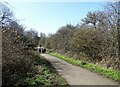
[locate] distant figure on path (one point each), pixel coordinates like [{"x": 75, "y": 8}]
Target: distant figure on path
[{"x": 41, "y": 49}]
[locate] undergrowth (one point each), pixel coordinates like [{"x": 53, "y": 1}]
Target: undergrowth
[{"x": 47, "y": 77}]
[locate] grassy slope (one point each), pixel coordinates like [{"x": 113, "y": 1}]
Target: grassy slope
[
  {"x": 47, "y": 77},
  {"x": 115, "y": 75}
]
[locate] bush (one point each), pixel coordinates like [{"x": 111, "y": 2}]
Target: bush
[
  {"x": 47, "y": 77},
  {"x": 17, "y": 61}
]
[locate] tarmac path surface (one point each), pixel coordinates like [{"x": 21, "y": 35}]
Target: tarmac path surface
[{"x": 76, "y": 75}]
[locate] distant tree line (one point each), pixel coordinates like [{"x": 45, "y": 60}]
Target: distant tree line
[{"x": 93, "y": 40}]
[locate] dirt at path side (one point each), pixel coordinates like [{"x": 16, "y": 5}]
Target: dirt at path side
[{"x": 76, "y": 75}]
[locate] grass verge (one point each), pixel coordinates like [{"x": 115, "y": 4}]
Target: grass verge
[
  {"x": 47, "y": 76},
  {"x": 110, "y": 73}
]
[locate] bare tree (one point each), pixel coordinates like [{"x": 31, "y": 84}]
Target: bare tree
[
  {"x": 96, "y": 19},
  {"x": 5, "y": 14},
  {"x": 42, "y": 40},
  {"x": 91, "y": 18},
  {"x": 32, "y": 36},
  {"x": 113, "y": 17}
]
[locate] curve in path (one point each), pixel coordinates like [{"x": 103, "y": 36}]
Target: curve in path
[{"x": 76, "y": 75}]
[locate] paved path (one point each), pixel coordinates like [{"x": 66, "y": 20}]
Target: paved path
[{"x": 76, "y": 75}]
